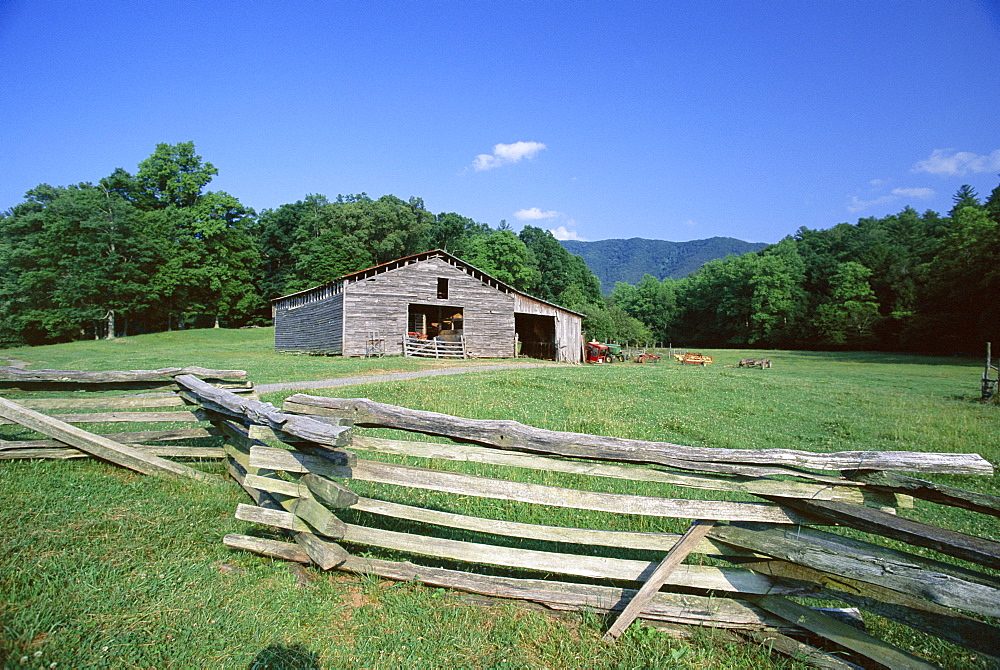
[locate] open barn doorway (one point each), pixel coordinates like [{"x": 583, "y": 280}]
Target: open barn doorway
[
  {"x": 430, "y": 321},
  {"x": 537, "y": 335}
]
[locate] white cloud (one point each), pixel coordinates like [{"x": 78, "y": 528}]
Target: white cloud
[
  {"x": 949, "y": 162},
  {"x": 923, "y": 193},
  {"x": 857, "y": 204},
  {"x": 506, "y": 153},
  {"x": 561, "y": 233},
  {"x": 534, "y": 214}
]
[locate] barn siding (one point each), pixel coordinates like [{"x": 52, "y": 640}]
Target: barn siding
[
  {"x": 340, "y": 317},
  {"x": 381, "y": 302},
  {"x": 315, "y": 326},
  {"x": 569, "y": 327}
]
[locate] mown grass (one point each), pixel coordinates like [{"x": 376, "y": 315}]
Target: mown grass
[
  {"x": 250, "y": 349},
  {"x": 100, "y": 567}
]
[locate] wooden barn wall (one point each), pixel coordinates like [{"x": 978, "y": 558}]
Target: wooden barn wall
[
  {"x": 569, "y": 327},
  {"x": 315, "y": 326},
  {"x": 381, "y": 303}
]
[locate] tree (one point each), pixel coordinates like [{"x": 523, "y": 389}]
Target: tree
[
  {"x": 560, "y": 272},
  {"x": 651, "y": 301},
  {"x": 958, "y": 311},
  {"x": 966, "y": 196},
  {"x": 173, "y": 175},
  {"x": 607, "y": 323},
  {"x": 278, "y": 231},
  {"x": 503, "y": 256},
  {"x": 72, "y": 255},
  {"x": 454, "y": 233},
  {"x": 127, "y": 254},
  {"x": 375, "y": 231},
  {"x": 850, "y": 315},
  {"x": 993, "y": 205}
]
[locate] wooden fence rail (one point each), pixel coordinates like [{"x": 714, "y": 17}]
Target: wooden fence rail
[
  {"x": 774, "y": 530},
  {"x": 145, "y": 451},
  {"x": 754, "y": 556}
]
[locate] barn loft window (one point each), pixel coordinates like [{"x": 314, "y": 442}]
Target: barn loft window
[{"x": 442, "y": 288}]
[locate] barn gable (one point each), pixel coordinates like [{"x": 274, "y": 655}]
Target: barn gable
[{"x": 434, "y": 294}]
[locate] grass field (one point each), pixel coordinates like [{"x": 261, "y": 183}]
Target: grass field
[
  {"x": 250, "y": 349},
  {"x": 101, "y": 567}
]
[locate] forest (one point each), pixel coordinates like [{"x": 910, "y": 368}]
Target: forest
[{"x": 155, "y": 250}]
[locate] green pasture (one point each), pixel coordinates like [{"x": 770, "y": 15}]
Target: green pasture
[
  {"x": 102, "y": 567},
  {"x": 250, "y": 349}
]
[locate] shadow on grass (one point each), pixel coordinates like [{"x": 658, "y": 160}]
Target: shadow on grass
[
  {"x": 964, "y": 359},
  {"x": 280, "y": 657}
]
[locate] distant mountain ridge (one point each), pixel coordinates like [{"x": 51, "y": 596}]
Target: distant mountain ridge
[{"x": 628, "y": 260}]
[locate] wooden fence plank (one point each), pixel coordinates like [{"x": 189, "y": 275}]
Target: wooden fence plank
[
  {"x": 97, "y": 445},
  {"x": 254, "y": 411},
  {"x": 271, "y": 517},
  {"x": 917, "y": 613},
  {"x": 798, "y": 651},
  {"x": 517, "y": 436},
  {"x": 867, "y": 563},
  {"x": 126, "y": 417},
  {"x": 318, "y": 517},
  {"x": 275, "y": 485},
  {"x": 843, "y": 634},
  {"x": 67, "y": 453},
  {"x": 731, "y": 580},
  {"x": 584, "y": 536},
  {"x": 644, "y": 595},
  {"x": 713, "y": 611},
  {"x": 330, "y": 492},
  {"x": 265, "y": 547},
  {"x": 847, "y": 492},
  {"x": 83, "y": 377},
  {"x": 486, "y": 487},
  {"x": 933, "y": 492},
  {"x": 967, "y": 547},
  {"x": 326, "y": 555},
  {"x": 100, "y": 403}
]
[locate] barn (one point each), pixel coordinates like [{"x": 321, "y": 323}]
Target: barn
[{"x": 432, "y": 295}]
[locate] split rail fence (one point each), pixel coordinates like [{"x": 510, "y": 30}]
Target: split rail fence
[
  {"x": 116, "y": 399},
  {"x": 752, "y": 564}
]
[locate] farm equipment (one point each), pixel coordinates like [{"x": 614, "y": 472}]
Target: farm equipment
[
  {"x": 761, "y": 363},
  {"x": 691, "y": 358},
  {"x": 597, "y": 353},
  {"x": 615, "y": 351},
  {"x": 646, "y": 358}
]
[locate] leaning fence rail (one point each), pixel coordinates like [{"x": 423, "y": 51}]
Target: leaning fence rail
[{"x": 54, "y": 422}]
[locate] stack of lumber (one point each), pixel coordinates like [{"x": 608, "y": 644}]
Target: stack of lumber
[
  {"x": 54, "y": 422},
  {"x": 736, "y": 567}
]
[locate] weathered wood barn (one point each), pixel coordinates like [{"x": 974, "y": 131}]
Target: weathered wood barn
[{"x": 432, "y": 294}]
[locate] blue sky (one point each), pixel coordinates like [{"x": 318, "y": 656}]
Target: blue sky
[{"x": 665, "y": 120}]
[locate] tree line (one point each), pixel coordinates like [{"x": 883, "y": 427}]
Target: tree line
[
  {"x": 155, "y": 250},
  {"x": 904, "y": 282}
]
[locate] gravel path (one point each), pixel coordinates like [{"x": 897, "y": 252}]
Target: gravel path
[{"x": 393, "y": 376}]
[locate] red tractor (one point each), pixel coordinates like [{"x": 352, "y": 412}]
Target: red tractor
[{"x": 597, "y": 353}]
